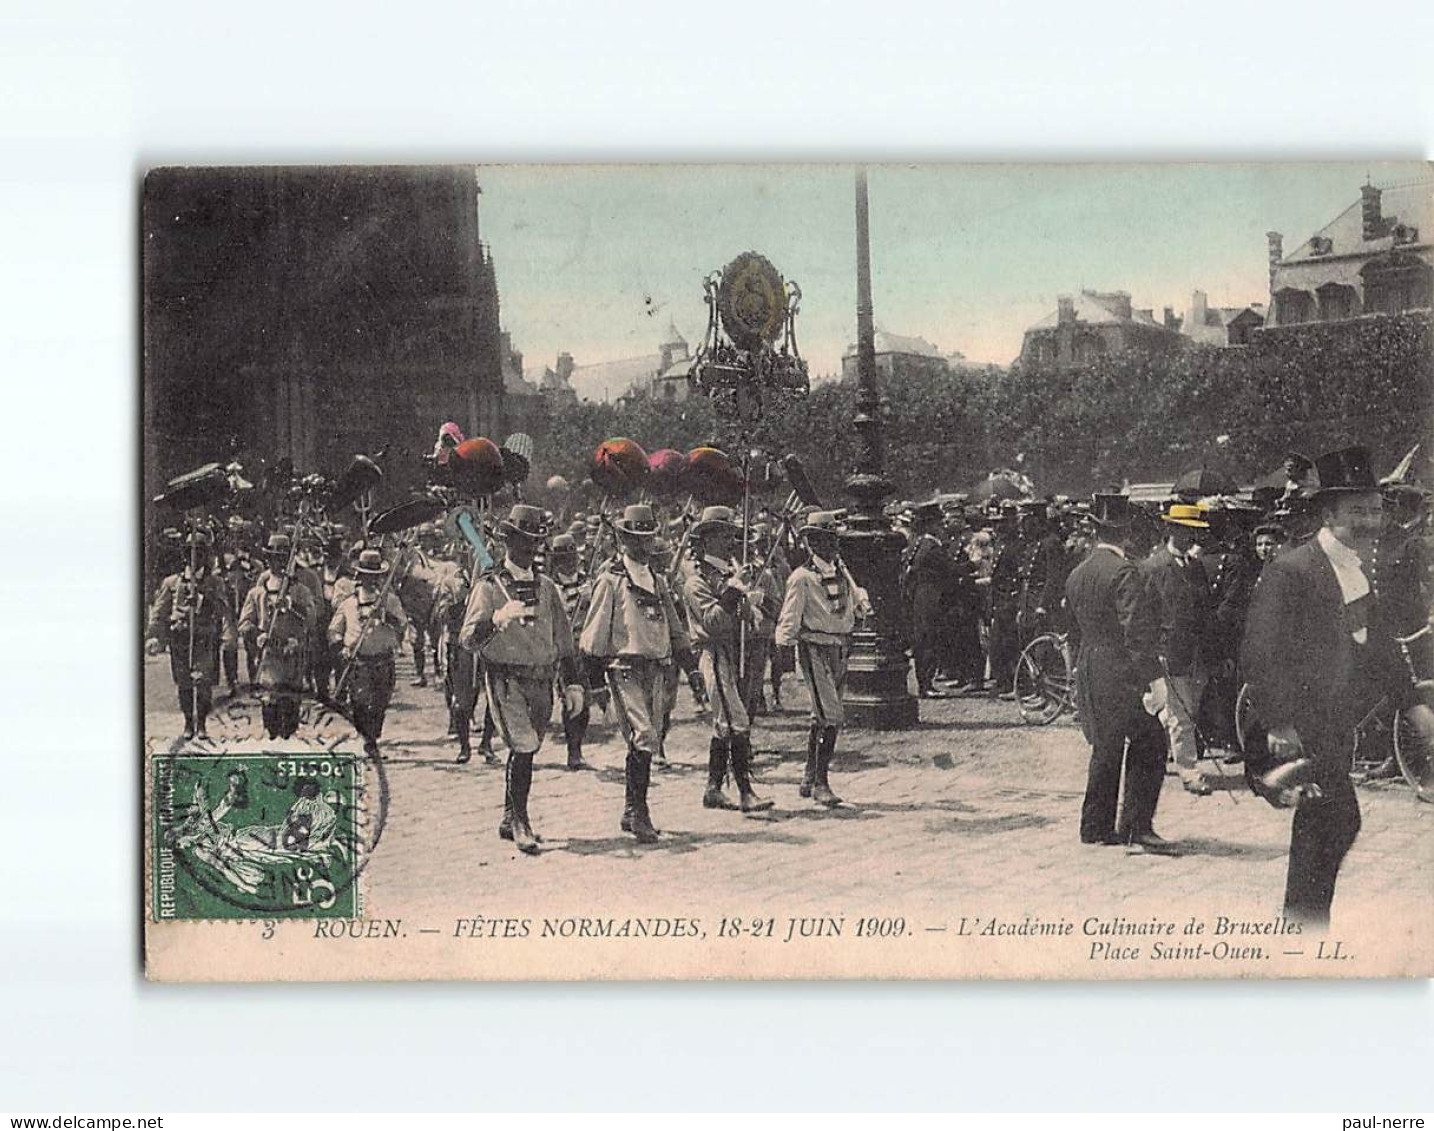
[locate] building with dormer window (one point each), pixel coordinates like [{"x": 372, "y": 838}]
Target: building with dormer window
[{"x": 1376, "y": 257}]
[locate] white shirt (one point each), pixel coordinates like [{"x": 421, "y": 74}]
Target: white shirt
[{"x": 1348, "y": 571}]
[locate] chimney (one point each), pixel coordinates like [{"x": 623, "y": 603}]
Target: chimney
[
  {"x": 1276, "y": 243},
  {"x": 1065, "y": 310},
  {"x": 1170, "y": 321},
  {"x": 1369, "y": 207},
  {"x": 1199, "y": 307},
  {"x": 1122, "y": 304},
  {"x": 565, "y": 366}
]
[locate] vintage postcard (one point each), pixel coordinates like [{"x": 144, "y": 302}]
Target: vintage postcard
[{"x": 811, "y": 571}]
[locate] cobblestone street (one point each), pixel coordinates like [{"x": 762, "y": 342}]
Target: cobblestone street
[{"x": 970, "y": 810}]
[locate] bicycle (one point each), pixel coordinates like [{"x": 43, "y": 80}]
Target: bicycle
[
  {"x": 1045, "y": 679},
  {"x": 1381, "y": 726}
]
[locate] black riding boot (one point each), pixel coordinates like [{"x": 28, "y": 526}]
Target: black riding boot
[
  {"x": 520, "y": 782},
  {"x": 638, "y": 820},
  {"x": 186, "y": 704},
  {"x": 270, "y": 714},
  {"x": 458, "y": 727},
  {"x": 201, "y": 714},
  {"x": 742, "y": 772},
  {"x": 809, "y": 775},
  {"x": 714, "y": 798},
  {"x": 821, "y": 789}
]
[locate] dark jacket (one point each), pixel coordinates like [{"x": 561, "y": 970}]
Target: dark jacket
[
  {"x": 1182, "y": 593},
  {"x": 1302, "y": 663},
  {"x": 1113, "y": 613},
  {"x": 930, "y": 579}
]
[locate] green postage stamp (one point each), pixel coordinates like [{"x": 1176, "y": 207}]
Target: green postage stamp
[{"x": 258, "y": 835}]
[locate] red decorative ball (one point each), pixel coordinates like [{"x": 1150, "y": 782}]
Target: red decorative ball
[
  {"x": 712, "y": 478},
  {"x": 619, "y": 465},
  {"x": 479, "y": 468},
  {"x": 667, "y": 471}
]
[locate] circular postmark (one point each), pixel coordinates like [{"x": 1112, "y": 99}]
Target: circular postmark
[{"x": 246, "y": 826}]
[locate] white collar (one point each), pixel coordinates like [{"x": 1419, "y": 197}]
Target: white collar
[
  {"x": 517, "y": 572},
  {"x": 1116, "y": 550},
  {"x": 1348, "y": 570},
  {"x": 823, "y": 567}
]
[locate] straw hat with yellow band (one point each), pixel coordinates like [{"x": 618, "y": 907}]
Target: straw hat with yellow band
[{"x": 1187, "y": 514}]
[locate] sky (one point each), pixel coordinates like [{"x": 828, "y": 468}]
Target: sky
[{"x": 595, "y": 260}]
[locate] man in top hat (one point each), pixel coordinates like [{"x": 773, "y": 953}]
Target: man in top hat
[
  {"x": 929, "y": 582},
  {"x": 631, "y": 637},
  {"x": 1317, "y": 654},
  {"x": 367, "y": 626},
  {"x": 191, "y": 617},
  {"x": 1113, "y": 613},
  {"x": 720, "y": 599},
  {"x": 516, "y": 623},
  {"x": 566, "y": 570},
  {"x": 818, "y": 615},
  {"x": 277, "y": 619},
  {"x": 1181, "y": 590}
]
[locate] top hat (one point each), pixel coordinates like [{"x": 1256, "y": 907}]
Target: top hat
[
  {"x": 371, "y": 562},
  {"x": 636, "y": 520},
  {"x": 1110, "y": 509},
  {"x": 820, "y": 522},
  {"x": 926, "y": 512},
  {"x": 526, "y": 521},
  {"x": 715, "y": 518},
  {"x": 1345, "y": 470},
  {"x": 1187, "y": 514},
  {"x": 277, "y": 546}
]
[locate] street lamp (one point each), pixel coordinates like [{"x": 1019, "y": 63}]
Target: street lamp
[{"x": 876, "y": 694}]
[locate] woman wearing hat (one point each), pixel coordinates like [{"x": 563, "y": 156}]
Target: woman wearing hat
[
  {"x": 631, "y": 637},
  {"x": 818, "y": 616},
  {"x": 719, "y": 601},
  {"x": 516, "y": 623},
  {"x": 1181, "y": 587},
  {"x": 1317, "y": 654},
  {"x": 368, "y": 626}
]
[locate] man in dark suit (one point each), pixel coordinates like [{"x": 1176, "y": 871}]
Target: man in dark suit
[
  {"x": 1117, "y": 666},
  {"x": 930, "y": 578},
  {"x": 1317, "y": 656}
]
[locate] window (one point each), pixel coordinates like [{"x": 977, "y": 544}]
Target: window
[
  {"x": 1337, "y": 302},
  {"x": 1397, "y": 282},
  {"x": 1292, "y": 306}
]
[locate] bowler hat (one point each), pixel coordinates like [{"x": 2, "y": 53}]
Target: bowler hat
[
  {"x": 820, "y": 522},
  {"x": 277, "y": 546},
  {"x": 1187, "y": 514},
  {"x": 525, "y": 521},
  {"x": 370, "y": 561},
  {"x": 1345, "y": 470},
  {"x": 636, "y": 520},
  {"x": 714, "y": 518}
]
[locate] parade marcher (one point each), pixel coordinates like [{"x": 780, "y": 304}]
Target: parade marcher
[
  {"x": 333, "y": 586},
  {"x": 1315, "y": 652},
  {"x": 1004, "y": 645},
  {"x": 783, "y": 657},
  {"x": 930, "y": 578},
  {"x": 631, "y": 637},
  {"x": 462, "y": 676},
  {"x": 818, "y": 615},
  {"x": 369, "y": 631},
  {"x": 516, "y": 623},
  {"x": 278, "y": 617},
  {"x": 764, "y": 622},
  {"x": 191, "y": 617},
  {"x": 237, "y": 571},
  {"x": 1117, "y": 669},
  {"x": 567, "y": 574},
  {"x": 1182, "y": 594},
  {"x": 719, "y": 599},
  {"x": 416, "y": 592}
]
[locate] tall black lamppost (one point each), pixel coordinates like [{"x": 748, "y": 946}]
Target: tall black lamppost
[{"x": 876, "y": 694}]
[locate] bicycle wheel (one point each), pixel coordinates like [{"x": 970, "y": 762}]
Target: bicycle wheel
[
  {"x": 1415, "y": 758},
  {"x": 1245, "y": 722},
  {"x": 1043, "y": 684}
]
